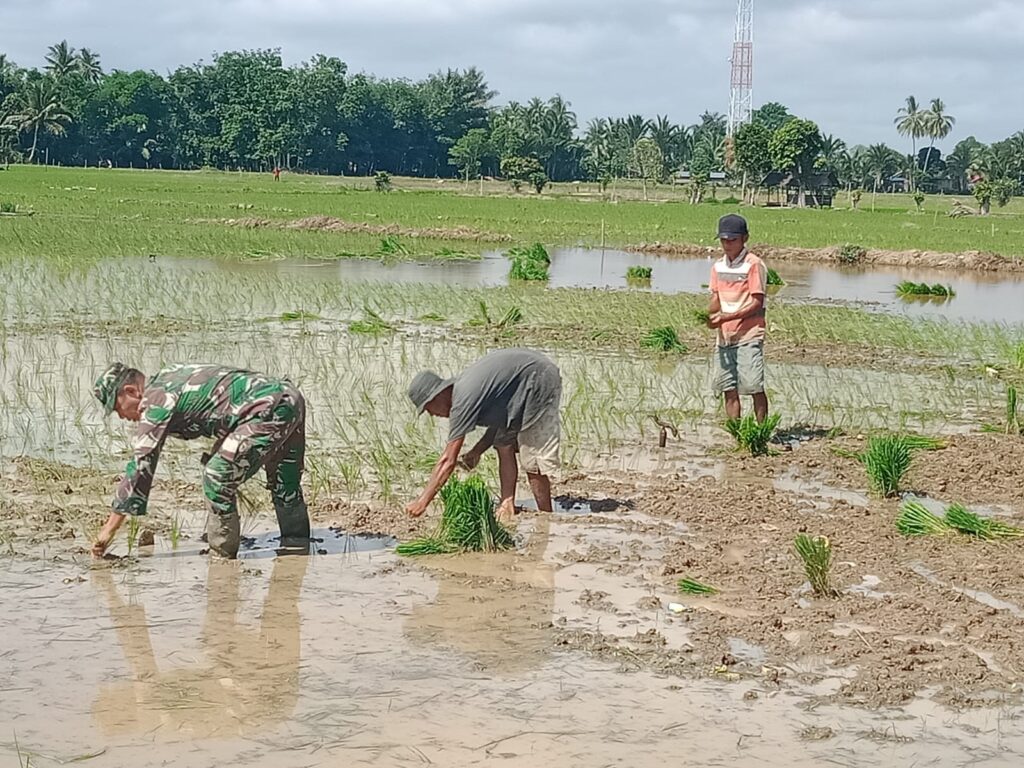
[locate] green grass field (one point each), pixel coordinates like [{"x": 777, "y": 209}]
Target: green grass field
[{"x": 93, "y": 213}]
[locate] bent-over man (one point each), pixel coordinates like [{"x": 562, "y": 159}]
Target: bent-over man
[
  {"x": 515, "y": 395},
  {"x": 257, "y": 421}
]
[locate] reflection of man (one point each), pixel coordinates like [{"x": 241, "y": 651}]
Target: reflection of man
[
  {"x": 504, "y": 627},
  {"x": 250, "y": 679}
]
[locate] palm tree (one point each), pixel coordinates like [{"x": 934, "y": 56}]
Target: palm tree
[
  {"x": 61, "y": 60},
  {"x": 910, "y": 121},
  {"x": 879, "y": 161},
  {"x": 89, "y": 65},
  {"x": 39, "y": 108},
  {"x": 832, "y": 151},
  {"x": 937, "y": 125}
]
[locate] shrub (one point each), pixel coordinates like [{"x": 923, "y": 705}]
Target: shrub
[
  {"x": 851, "y": 254},
  {"x": 382, "y": 181}
]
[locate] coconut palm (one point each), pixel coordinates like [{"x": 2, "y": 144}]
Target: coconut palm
[
  {"x": 880, "y": 161},
  {"x": 61, "y": 60},
  {"x": 910, "y": 121},
  {"x": 833, "y": 150},
  {"x": 89, "y": 65},
  {"x": 937, "y": 125},
  {"x": 37, "y": 109}
]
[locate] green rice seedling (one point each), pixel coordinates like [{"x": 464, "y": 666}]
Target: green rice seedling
[
  {"x": 1017, "y": 356},
  {"x": 701, "y": 317},
  {"x": 432, "y": 317},
  {"x": 886, "y": 461},
  {"x": 513, "y": 315},
  {"x": 1012, "y": 419},
  {"x": 392, "y": 246},
  {"x": 923, "y": 443},
  {"x": 536, "y": 252},
  {"x": 663, "y": 339},
  {"x": 454, "y": 254},
  {"x": 915, "y": 520},
  {"x": 467, "y": 524},
  {"x": 639, "y": 273},
  {"x": 752, "y": 436},
  {"x": 984, "y": 528},
  {"x": 529, "y": 264},
  {"x": 773, "y": 278},
  {"x": 298, "y": 315},
  {"x": 132, "y": 532},
  {"x": 372, "y": 323},
  {"x": 175, "y": 532},
  {"x": 910, "y": 288},
  {"x": 694, "y": 587},
  {"x": 816, "y": 554}
]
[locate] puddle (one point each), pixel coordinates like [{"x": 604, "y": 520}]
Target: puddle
[
  {"x": 982, "y": 597},
  {"x": 324, "y": 541},
  {"x": 979, "y": 296},
  {"x": 793, "y": 480}
]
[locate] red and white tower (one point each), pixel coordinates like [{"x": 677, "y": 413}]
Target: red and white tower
[{"x": 741, "y": 101}]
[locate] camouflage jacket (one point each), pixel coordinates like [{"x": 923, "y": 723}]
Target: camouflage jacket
[{"x": 188, "y": 401}]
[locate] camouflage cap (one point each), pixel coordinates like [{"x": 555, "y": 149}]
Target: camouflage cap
[{"x": 107, "y": 385}]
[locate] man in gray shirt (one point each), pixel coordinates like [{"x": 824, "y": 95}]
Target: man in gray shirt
[{"x": 514, "y": 394}]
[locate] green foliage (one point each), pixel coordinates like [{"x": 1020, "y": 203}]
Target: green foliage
[
  {"x": 910, "y": 288},
  {"x": 538, "y": 181},
  {"x": 372, "y": 324},
  {"x": 1012, "y": 418},
  {"x": 752, "y": 436},
  {"x": 816, "y": 554},
  {"x": 469, "y": 151},
  {"x": 382, "y": 181},
  {"x": 916, "y": 520},
  {"x": 886, "y": 461},
  {"x": 521, "y": 169},
  {"x": 647, "y": 162},
  {"x": 639, "y": 273},
  {"x": 918, "y": 198},
  {"x": 751, "y": 148},
  {"x": 513, "y": 316},
  {"x": 984, "y": 528},
  {"x": 850, "y": 254},
  {"x": 392, "y": 246},
  {"x": 7, "y": 207},
  {"x": 298, "y": 315},
  {"x": 663, "y": 339},
  {"x": 694, "y": 587},
  {"x": 467, "y": 524},
  {"x": 529, "y": 264},
  {"x": 795, "y": 147},
  {"x": 701, "y": 317},
  {"x": 773, "y": 278}
]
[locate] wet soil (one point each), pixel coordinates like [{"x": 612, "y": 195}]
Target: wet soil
[{"x": 982, "y": 261}]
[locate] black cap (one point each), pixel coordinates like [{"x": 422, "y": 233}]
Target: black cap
[{"x": 732, "y": 226}]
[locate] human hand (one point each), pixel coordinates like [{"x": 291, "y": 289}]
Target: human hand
[
  {"x": 714, "y": 320},
  {"x": 415, "y": 508},
  {"x": 470, "y": 460}
]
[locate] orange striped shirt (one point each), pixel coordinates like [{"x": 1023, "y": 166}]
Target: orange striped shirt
[{"x": 735, "y": 283}]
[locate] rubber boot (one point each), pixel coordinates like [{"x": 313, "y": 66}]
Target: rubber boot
[
  {"x": 293, "y": 520},
  {"x": 223, "y": 534}
]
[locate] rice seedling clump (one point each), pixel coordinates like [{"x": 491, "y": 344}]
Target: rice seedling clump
[
  {"x": 916, "y": 520},
  {"x": 886, "y": 461},
  {"x": 467, "y": 524},
  {"x": 984, "y": 528},
  {"x": 774, "y": 278},
  {"x": 663, "y": 339},
  {"x": 752, "y": 436},
  {"x": 694, "y": 587},
  {"x": 816, "y": 554},
  {"x": 639, "y": 273},
  {"x": 910, "y": 288},
  {"x": 530, "y": 264}
]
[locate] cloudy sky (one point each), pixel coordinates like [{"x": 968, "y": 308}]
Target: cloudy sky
[{"x": 847, "y": 64}]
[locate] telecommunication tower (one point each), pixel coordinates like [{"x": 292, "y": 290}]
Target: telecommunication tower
[{"x": 741, "y": 101}]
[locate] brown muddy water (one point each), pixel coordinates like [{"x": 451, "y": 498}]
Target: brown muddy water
[
  {"x": 358, "y": 658},
  {"x": 979, "y": 296}
]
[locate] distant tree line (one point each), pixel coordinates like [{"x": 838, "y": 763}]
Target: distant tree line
[{"x": 246, "y": 110}]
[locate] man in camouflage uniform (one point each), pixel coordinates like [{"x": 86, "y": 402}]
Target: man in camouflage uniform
[{"x": 258, "y": 421}]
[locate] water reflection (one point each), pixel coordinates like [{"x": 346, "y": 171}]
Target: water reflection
[
  {"x": 495, "y": 609},
  {"x": 249, "y": 678}
]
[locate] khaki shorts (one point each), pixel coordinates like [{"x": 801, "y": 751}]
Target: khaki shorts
[
  {"x": 739, "y": 367},
  {"x": 540, "y": 445}
]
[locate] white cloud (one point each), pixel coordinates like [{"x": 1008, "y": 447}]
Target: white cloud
[{"x": 848, "y": 65}]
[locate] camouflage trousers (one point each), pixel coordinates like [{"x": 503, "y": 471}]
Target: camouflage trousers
[{"x": 273, "y": 438}]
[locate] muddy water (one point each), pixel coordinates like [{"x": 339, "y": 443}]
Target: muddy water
[
  {"x": 979, "y": 297},
  {"x": 355, "y": 658}
]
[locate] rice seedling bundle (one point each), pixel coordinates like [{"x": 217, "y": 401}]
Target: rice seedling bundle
[
  {"x": 910, "y": 288},
  {"x": 467, "y": 524},
  {"x": 980, "y": 527},
  {"x": 694, "y": 587},
  {"x": 663, "y": 339},
  {"x": 372, "y": 323},
  {"x": 530, "y": 264},
  {"x": 701, "y": 316},
  {"x": 923, "y": 443},
  {"x": 773, "y": 278},
  {"x": 916, "y": 520},
  {"x": 886, "y": 461},
  {"x": 816, "y": 554},
  {"x": 639, "y": 273},
  {"x": 752, "y": 436}
]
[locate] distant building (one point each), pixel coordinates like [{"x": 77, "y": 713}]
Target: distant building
[{"x": 819, "y": 188}]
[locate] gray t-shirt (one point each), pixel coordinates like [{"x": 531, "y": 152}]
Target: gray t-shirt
[{"x": 507, "y": 390}]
